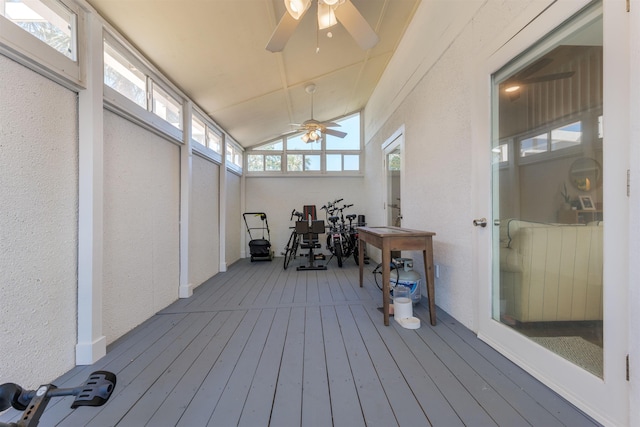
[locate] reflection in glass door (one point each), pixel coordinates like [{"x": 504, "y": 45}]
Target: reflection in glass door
[
  {"x": 548, "y": 197},
  {"x": 393, "y": 166}
]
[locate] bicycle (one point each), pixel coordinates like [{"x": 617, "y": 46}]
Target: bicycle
[
  {"x": 339, "y": 242},
  {"x": 291, "y": 249},
  {"x": 94, "y": 392}
]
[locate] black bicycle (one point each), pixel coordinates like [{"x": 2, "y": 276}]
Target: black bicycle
[
  {"x": 291, "y": 250},
  {"x": 339, "y": 242},
  {"x": 94, "y": 392}
]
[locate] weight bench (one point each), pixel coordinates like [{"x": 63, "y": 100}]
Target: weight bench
[{"x": 310, "y": 231}]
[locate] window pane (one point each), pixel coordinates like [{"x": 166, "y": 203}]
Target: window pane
[
  {"x": 273, "y": 163},
  {"x": 198, "y": 130},
  {"x": 350, "y": 125},
  {"x": 255, "y": 163},
  {"x": 334, "y": 162},
  {"x": 123, "y": 77},
  {"x": 214, "y": 141},
  {"x": 501, "y": 153},
  {"x": 351, "y": 162},
  {"x": 294, "y": 142},
  {"x": 54, "y": 24},
  {"x": 535, "y": 145},
  {"x": 312, "y": 162},
  {"x": 566, "y": 136},
  {"x": 166, "y": 107},
  {"x": 294, "y": 162},
  {"x": 393, "y": 161}
]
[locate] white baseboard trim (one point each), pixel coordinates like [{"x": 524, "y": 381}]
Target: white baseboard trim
[
  {"x": 88, "y": 353},
  {"x": 185, "y": 291}
]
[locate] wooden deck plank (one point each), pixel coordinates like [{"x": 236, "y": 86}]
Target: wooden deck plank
[
  {"x": 373, "y": 401},
  {"x": 269, "y": 278},
  {"x": 401, "y": 398},
  {"x": 157, "y": 394},
  {"x": 267, "y": 288},
  {"x": 260, "y": 345},
  {"x": 434, "y": 404},
  {"x": 144, "y": 381},
  {"x": 287, "y": 403},
  {"x": 122, "y": 398},
  {"x": 561, "y": 409},
  {"x": 344, "y": 396},
  {"x": 488, "y": 398},
  {"x": 203, "y": 403},
  {"x": 324, "y": 290},
  {"x": 229, "y": 406},
  {"x": 316, "y": 403},
  {"x": 257, "y": 408},
  {"x": 144, "y": 335},
  {"x": 313, "y": 291},
  {"x": 464, "y": 403},
  {"x": 182, "y": 394}
]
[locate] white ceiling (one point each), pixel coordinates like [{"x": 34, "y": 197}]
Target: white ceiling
[{"x": 214, "y": 50}]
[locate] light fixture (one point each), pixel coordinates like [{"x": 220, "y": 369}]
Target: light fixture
[
  {"x": 311, "y": 136},
  {"x": 326, "y": 16},
  {"x": 512, "y": 88},
  {"x": 297, "y": 8},
  {"x": 329, "y": 2}
]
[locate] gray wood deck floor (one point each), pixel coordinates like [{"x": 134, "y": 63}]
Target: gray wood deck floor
[{"x": 260, "y": 346}]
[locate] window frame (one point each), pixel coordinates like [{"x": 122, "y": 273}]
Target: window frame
[
  {"x": 323, "y": 152},
  {"x": 26, "y": 49},
  {"x": 122, "y": 105},
  {"x": 209, "y": 127}
]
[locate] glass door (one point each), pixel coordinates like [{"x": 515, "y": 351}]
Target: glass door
[
  {"x": 548, "y": 197},
  {"x": 392, "y": 150},
  {"x": 547, "y": 228}
]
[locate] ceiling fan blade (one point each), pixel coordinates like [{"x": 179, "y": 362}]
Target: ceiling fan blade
[
  {"x": 356, "y": 25},
  {"x": 330, "y": 124},
  {"x": 549, "y": 77},
  {"x": 282, "y": 33},
  {"x": 534, "y": 68},
  {"x": 334, "y": 132}
]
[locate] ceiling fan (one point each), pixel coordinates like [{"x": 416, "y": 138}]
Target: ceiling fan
[
  {"x": 513, "y": 84},
  {"x": 329, "y": 13},
  {"x": 313, "y": 128}
]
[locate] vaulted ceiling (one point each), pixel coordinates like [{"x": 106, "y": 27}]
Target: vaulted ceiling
[{"x": 214, "y": 50}]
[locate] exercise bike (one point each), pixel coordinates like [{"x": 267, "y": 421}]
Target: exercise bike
[{"x": 94, "y": 392}]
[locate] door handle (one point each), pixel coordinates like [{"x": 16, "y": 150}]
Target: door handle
[{"x": 482, "y": 222}]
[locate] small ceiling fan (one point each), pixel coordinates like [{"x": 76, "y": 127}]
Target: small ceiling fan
[
  {"x": 314, "y": 128},
  {"x": 513, "y": 84},
  {"x": 330, "y": 12}
]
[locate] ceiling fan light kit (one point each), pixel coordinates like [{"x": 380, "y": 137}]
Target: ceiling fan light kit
[
  {"x": 314, "y": 129},
  {"x": 330, "y": 12},
  {"x": 297, "y": 8},
  {"x": 326, "y": 16}
]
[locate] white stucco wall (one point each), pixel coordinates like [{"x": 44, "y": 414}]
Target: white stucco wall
[
  {"x": 277, "y": 197},
  {"x": 234, "y": 219},
  {"x": 141, "y": 224},
  {"x": 38, "y": 226},
  {"x": 204, "y": 235},
  {"x": 429, "y": 88}
]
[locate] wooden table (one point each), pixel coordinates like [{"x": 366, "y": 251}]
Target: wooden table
[{"x": 390, "y": 239}]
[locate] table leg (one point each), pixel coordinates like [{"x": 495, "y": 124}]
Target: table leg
[
  {"x": 386, "y": 261},
  {"x": 427, "y": 254},
  {"x": 361, "y": 259}
]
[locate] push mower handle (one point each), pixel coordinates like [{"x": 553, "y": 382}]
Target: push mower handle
[{"x": 94, "y": 392}]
